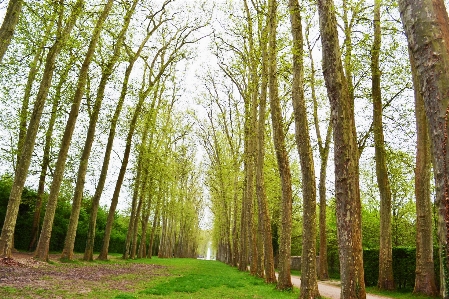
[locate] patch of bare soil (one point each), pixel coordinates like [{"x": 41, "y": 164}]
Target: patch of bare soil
[{"x": 24, "y": 277}]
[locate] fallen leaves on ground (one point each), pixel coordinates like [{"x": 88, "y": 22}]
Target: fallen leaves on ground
[{"x": 24, "y": 274}]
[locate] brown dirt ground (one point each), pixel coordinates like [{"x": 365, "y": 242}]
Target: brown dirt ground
[{"x": 26, "y": 275}]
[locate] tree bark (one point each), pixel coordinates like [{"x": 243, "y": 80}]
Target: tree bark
[
  {"x": 34, "y": 68},
  {"x": 46, "y": 156},
  {"x": 345, "y": 157},
  {"x": 385, "y": 280},
  {"x": 7, "y": 235},
  {"x": 10, "y": 21},
  {"x": 44, "y": 239},
  {"x": 309, "y": 284},
  {"x": 323, "y": 147},
  {"x": 264, "y": 216},
  {"x": 426, "y": 25},
  {"x": 284, "y": 278},
  {"x": 425, "y": 272}
]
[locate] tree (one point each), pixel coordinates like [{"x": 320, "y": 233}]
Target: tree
[
  {"x": 426, "y": 25},
  {"x": 284, "y": 279},
  {"x": 63, "y": 34},
  {"x": 248, "y": 249},
  {"x": 385, "y": 280},
  {"x": 323, "y": 148},
  {"x": 425, "y": 272},
  {"x": 345, "y": 158},
  {"x": 309, "y": 285},
  {"x": 264, "y": 221},
  {"x": 9, "y": 24}
]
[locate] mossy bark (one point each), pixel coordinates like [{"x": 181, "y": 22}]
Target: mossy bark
[{"x": 346, "y": 153}]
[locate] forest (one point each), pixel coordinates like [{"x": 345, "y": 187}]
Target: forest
[{"x": 268, "y": 129}]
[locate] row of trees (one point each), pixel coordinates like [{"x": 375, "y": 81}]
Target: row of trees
[
  {"x": 80, "y": 74},
  {"x": 365, "y": 67},
  {"x": 111, "y": 72}
]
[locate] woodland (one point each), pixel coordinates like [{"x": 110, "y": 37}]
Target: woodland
[{"x": 262, "y": 128}]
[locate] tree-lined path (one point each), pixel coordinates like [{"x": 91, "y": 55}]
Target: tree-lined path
[{"x": 247, "y": 130}]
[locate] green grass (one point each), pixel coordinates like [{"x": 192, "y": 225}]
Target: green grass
[
  {"x": 396, "y": 294},
  {"x": 192, "y": 278}
]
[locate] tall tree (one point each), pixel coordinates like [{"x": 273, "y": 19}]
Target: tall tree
[
  {"x": 284, "y": 279},
  {"x": 426, "y": 25},
  {"x": 69, "y": 242},
  {"x": 309, "y": 285},
  {"x": 323, "y": 147},
  {"x": 385, "y": 280},
  {"x": 425, "y": 272},
  {"x": 9, "y": 24},
  {"x": 248, "y": 247},
  {"x": 346, "y": 155},
  {"x": 264, "y": 220},
  {"x": 44, "y": 238},
  {"x": 63, "y": 34}
]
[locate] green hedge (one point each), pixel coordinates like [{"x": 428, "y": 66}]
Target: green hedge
[
  {"x": 404, "y": 264},
  {"x": 22, "y": 235}
]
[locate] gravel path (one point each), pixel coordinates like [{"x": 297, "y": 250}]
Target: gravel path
[{"x": 329, "y": 290}]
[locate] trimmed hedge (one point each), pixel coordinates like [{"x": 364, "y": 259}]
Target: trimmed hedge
[{"x": 404, "y": 264}]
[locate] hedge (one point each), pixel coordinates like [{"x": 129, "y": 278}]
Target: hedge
[{"x": 404, "y": 264}]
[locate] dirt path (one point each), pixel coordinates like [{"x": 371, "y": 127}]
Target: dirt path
[{"x": 330, "y": 290}]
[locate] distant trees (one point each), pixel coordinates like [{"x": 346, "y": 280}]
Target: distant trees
[{"x": 104, "y": 52}]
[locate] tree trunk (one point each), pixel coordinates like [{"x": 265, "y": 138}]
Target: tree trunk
[
  {"x": 324, "y": 147},
  {"x": 9, "y": 24},
  {"x": 153, "y": 229},
  {"x": 284, "y": 279},
  {"x": 107, "y": 234},
  {"x": 426, "y": 25},
  {"x": 34, "y": 69},
  {"x": 46, "y": 157},
  {"x": 251, "y": 136},
  {"x": 425, "y": 272},
  {"x": 309, "y": 284},
  {"x": 385, "y": 280},
  {"x": 264, "y": 217},
  {"x": 44, "y": 239},
  {"x": 130, "y": 233},
  {"x": 7, "y": 235},
  {"x": 345, "y": 157},
  {"x": 428, "y": 35}
]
